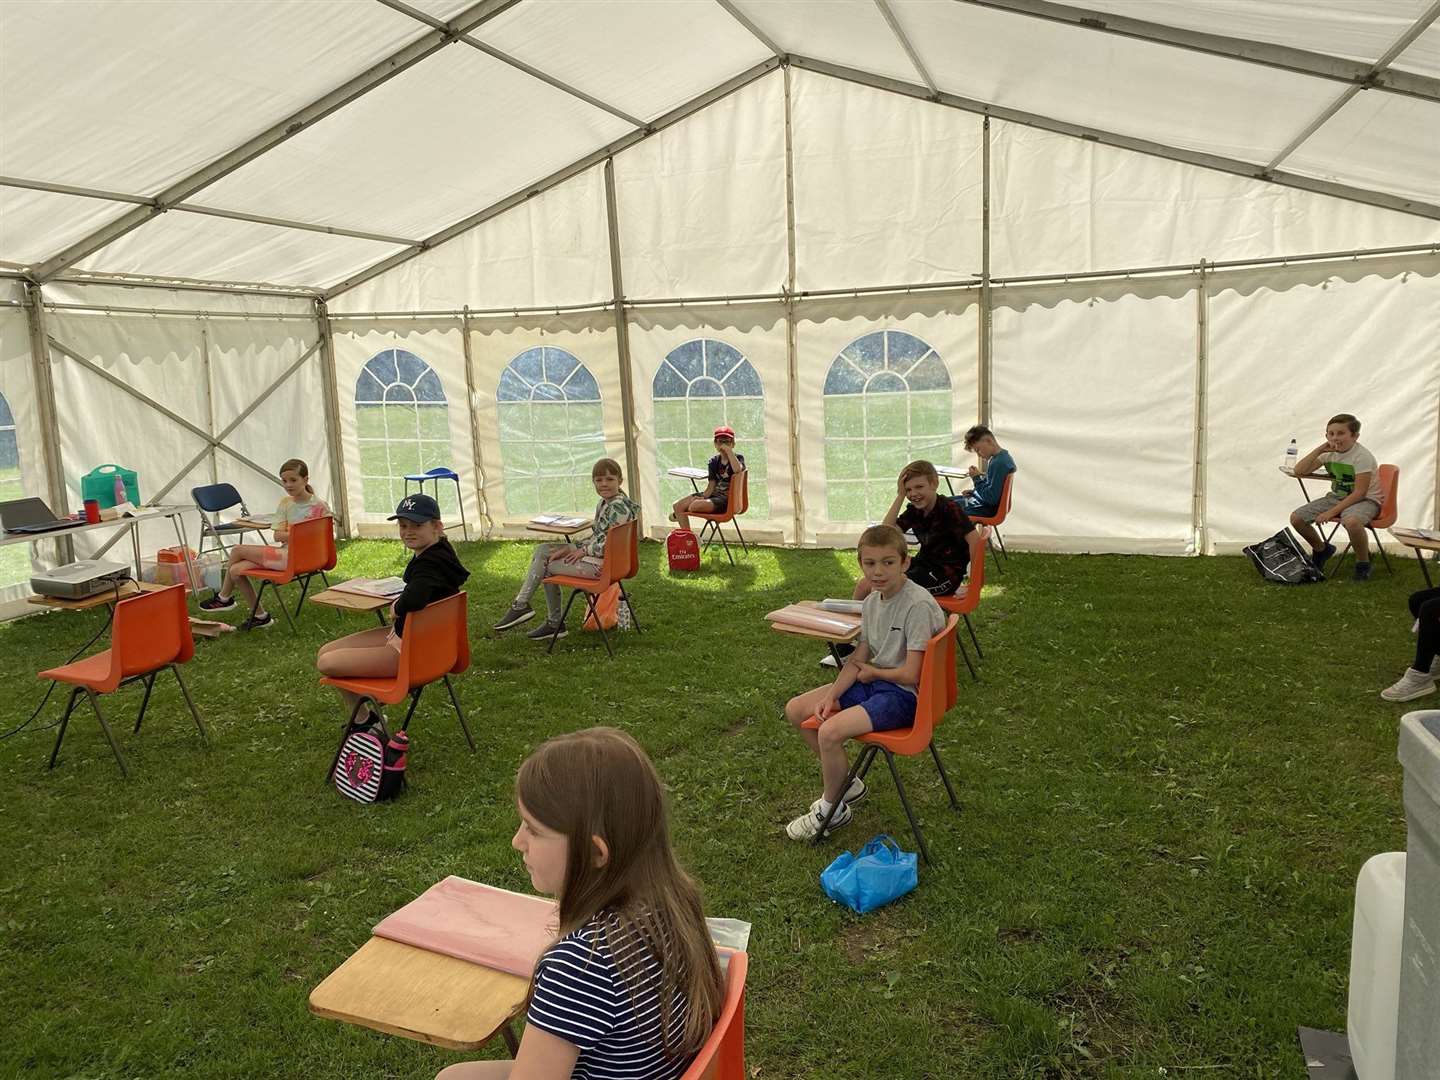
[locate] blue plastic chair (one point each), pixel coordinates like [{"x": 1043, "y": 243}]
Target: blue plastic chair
[
  {"x": 437, "y": 475},
  {"x": 214, "y": 499}
]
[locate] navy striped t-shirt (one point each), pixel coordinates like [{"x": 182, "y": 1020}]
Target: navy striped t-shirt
[{"x": 581, "y": 996}]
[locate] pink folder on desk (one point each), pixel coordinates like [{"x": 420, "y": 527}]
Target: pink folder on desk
[
  {"x": 492, "y": 927},
  {"x": 809, "y": 618}
]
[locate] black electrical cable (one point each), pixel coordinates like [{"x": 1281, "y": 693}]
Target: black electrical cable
[{"x": 51, "y": 688}]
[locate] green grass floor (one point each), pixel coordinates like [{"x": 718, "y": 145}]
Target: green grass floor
[{"x": 1171, "y": 774}]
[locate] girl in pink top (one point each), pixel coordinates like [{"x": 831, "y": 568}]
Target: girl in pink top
[{"x": 299, "y": 503}]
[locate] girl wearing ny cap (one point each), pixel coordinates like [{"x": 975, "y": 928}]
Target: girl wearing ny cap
[
  {"x": 716, "y": 496},
  {"x": 433, "y": 573}
]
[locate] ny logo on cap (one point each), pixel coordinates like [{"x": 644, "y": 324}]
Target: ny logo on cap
[{"x": 408, "y": 504}]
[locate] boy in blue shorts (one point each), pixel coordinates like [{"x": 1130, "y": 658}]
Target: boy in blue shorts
[{"x": 876, "y": 689}]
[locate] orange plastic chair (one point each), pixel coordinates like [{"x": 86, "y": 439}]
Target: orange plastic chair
[
  {"x": 736, "y": 504},
  {"x": 723, "y": 1055},
  {"x": 436, "y": 645},
  {"x": 621, "y": 562},
  {"x": 997, "y": 519},
  {"x": 150, "y": 632},
  {"x": 1389, "y": 508},
  {"x": 967, "y": 598},
  {"x": 936, "y": 696},
  {"x": 310, "y": 551}
]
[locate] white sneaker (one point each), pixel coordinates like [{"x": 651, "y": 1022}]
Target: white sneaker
[
  {"x": 828, "y": 660},
  {"x": 853, "y": 794},
  {"x": 1413, "y": 684},
  {"x": 807, "y": 825}
]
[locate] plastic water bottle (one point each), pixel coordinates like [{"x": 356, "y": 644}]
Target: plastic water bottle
[
  {"x": 1292, "y": 456},
  {"x": 622, "y": 615},
  {"x": 119, "y": 490}
]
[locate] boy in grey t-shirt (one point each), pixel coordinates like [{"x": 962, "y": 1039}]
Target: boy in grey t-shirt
[
  {"x": 875, "y": 690},
  {"x": 1353, "y": 498}
]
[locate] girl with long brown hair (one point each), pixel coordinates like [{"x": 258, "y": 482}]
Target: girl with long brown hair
[{"x": 632, "y": 987}]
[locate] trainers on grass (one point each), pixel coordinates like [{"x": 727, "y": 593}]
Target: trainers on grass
[
  {"x": 1362, "y": 572},
  {"x": 258, "y": 622},
  {"x": 1321, "y": 557},
  {"x": 547, "y": 630},
  {"x": 517, "y": 614},
  {"x": 217, "y": 603},
  {"x": 1413, "y": 684},
  {"x": 807, "y": 825},
  {"x": 853, "y": 794}
]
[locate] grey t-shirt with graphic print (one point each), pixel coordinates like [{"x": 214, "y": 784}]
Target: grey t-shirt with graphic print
[
  {"x": 904, "y": 623},
  {"x": 1343, "y": 468}
]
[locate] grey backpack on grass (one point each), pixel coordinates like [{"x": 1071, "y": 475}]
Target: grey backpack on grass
[{"x": 1284, "y": 559}]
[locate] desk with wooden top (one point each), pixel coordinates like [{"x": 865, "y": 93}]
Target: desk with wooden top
[
  {"x": 550, "y": 528},
  {"x": 421, "y": 995},
  {"x": 343, "y": 600},
  {"x": 1411, "y": 539},
  {"x": 833, "y": 640},
  {"x": 126, "y": 590},
  {"x": 689, "y": 472},
  {"x": 952, "y": 472}
]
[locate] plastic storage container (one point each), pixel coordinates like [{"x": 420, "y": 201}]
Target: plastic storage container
[
  {"x": 1375, "y": 965},
  {"x": 99, "y": 484},
  {"x": 1417, "y": 1047}
]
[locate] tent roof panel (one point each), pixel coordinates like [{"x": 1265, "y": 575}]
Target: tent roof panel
[
  {"x": 639, "y": 56},
  {"x": 1377, "y": 140},
  {"x": 1156, "y": 92},
  {"x": 849, "y": 32},
  {"x": 221, "y": 249},
  {"x": 402, "y": 160},
  {"x": 444, "y": 10},
  {"x": 1423, "y": 56},
  {"x": 133, "y": 96},
  {"x": 1357, "y": 31},
  {"x": 34, "y": 224}
]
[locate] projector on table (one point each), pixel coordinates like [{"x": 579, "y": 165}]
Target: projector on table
[{"x": 79, "y": 580}]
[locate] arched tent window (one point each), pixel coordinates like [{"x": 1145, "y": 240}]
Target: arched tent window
[
  {"x": 15, "y": 559},
  {"x": 552, "y": 431},
  {"x": 402, "y": 424},
  {"x": 887, "y": 402},
  {"x": 701, "y": 385}
]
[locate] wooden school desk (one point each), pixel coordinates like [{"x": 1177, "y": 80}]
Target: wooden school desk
[
  {"x": 834, "y": 640},
  {"x": 552, "y": 529},
  {"x": 1412, "y": 539},
  {"x": 342, "y": 600}
]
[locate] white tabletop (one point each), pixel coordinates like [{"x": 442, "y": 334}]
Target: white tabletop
[
  {"x": 951, "y": 470},
  {"x": 145, "y": 513},
  {"x": 688, "y": 472}
]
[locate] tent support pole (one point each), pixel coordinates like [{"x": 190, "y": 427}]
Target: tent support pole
[
  {"x": 477, "y": 457},
  {"x": 46, "y": 411},
  {"x": 1198, "y": 528},
  {"x": 332, "y": 415},
  {"x": 792, "y": 357},
  {"x": 986, "y": 298},
  {"x": 622, "y": 331},
  {"x": 209, "y": 399}
]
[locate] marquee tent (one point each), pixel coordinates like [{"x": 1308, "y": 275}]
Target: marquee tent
[{"x": 1150, "y": 242}]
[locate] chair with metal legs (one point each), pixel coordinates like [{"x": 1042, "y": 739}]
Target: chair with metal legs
[{"x": 967, "y": 598}]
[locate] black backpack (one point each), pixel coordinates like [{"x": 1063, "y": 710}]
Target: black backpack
[
  {"x": 1284, "y": 559},
  {"x": 370, "y": 763}
]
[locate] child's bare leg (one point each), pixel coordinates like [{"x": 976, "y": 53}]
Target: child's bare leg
[
  {"x": 1359, "y": 538},
  {"x": 242, "y": 584},
  {"x": 1307, "y": 532},
  {"x": 833, "y": 734},
  {"x": 687, "y": 502},
  {"x": 476, "y": 1070},
  {"x": 800, "y": 708},
  {"x": 240, "y": 554},
  {"x": 362, "y": 654}
]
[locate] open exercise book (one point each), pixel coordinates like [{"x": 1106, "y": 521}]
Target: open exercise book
[
  {"x": 559, "y": 519},
  {"x": 493, "y": 927},
  {"x": 388, "y": 586},
  {"x": 813, "y": 618}
]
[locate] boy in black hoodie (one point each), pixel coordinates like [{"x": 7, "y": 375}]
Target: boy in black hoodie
[{"x": 433, "y": 573}]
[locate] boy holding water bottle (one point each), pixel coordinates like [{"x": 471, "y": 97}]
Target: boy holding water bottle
[{"x": 1353, "y": 498}]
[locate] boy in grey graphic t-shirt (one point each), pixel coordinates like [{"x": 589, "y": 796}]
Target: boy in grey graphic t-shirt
[{"x": 1353, "y": 498}]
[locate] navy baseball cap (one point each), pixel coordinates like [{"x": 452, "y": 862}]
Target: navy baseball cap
[{"x": 417, "y": 508}]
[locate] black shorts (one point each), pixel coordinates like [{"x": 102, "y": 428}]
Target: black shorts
[
  {"x": 936, "y": 580},
  {"x": 720, "y": 500}
]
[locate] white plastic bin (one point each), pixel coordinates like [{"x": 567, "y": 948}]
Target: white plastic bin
[
  {"x": 1417, "y": 1049},
  {"x": 1375, "y": 965}
]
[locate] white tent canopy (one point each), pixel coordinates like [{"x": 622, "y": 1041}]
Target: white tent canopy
[{"x": 1149, "y": 242}]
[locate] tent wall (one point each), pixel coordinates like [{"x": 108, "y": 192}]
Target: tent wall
[{"x": 22, "y": 467}]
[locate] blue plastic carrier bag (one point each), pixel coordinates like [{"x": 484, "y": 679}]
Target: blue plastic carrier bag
[{"x": 880, "y": 874}]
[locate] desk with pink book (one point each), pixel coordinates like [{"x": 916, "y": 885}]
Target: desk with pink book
[{"x": 808, "y": 619}]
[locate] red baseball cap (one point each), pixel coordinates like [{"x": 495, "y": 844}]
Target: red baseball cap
[{"x": 728, "y": 432}]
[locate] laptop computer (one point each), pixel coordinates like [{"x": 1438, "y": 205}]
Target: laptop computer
[{"x": 31, "y": 516}]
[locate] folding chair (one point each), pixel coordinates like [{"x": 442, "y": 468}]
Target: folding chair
[
  {"x": 215, "y": 499},
  {"x": 723, "y": 1055},
  {"x": 435, "y": 645},
  {"x": 937, "y": 694},
  {"x": 997, "y": 519},
  {"x": 736, "y": 504},
  {"x": 311, "y": 551},
  {"x": 621, "y": 562},
  {"x": 1389, "y": 508},
  {"x": 967, "y": 598},
  {"x": 150, "y": 632}
]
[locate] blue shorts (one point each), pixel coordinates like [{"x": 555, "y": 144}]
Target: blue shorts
[{"x": 889, "y": 706}]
